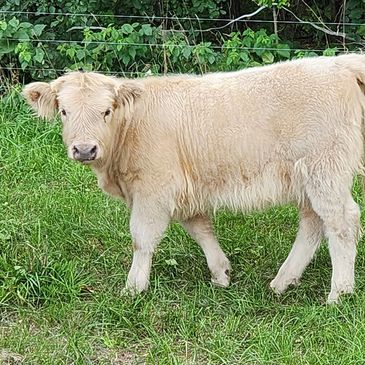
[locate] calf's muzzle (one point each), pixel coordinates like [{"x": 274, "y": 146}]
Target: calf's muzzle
[{"x": 84, "y": 152}]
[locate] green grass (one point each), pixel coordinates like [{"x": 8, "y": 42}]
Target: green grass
[{"x": 65, "y": 253}]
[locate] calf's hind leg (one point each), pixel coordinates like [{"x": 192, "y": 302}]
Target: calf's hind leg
[
  {"x": 201, "y": 230},
  {"x": 306, "y": 243},
  {"x": 341, "y": 218}
]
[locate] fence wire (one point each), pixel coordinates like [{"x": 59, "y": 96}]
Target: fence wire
[
  {"x": 151, "y": 18},
  {"x": 161, "y": 45},
  {"x": 176, "y": 18}
]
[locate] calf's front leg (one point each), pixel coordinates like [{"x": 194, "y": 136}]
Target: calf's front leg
[{"x": 147, "y": 226}]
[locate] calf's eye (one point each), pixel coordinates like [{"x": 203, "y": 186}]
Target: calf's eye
[
  {"x": 107, "y": 113},
  {"x": 63, "y": 112}
]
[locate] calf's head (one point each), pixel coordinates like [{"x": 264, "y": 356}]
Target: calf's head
[{"x": 91, "y": 107}]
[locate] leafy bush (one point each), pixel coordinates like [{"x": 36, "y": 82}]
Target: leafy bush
[
  {"x": 16, "y": 38},
  {"x": 124, "y": 48},
  {"x": 253, "y": 48},
  {"x": 57, "y": 36}
]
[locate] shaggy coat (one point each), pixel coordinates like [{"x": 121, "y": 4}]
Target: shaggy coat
[{"x": 181, "y": 147}]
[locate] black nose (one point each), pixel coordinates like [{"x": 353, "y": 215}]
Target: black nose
[{"x": 84, "y": 152}]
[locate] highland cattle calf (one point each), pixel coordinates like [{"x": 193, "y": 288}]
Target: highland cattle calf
[{"x": 181, "y": 147}]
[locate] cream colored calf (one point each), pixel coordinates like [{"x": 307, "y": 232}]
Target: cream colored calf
[{"x": 182, "y": 147}]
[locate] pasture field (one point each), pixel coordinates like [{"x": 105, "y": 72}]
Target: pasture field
[{"x": 65, "y": 253}]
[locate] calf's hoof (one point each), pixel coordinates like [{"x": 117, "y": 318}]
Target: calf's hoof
[
  {"x": 222, "y": 279},
  {"x": 134, "y": 287},
  {"x": 335, "y": 294},
  {"x": 280, "y": 284}
]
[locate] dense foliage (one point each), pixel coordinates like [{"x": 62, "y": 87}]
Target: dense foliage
[{"x": 39, "y": 38}]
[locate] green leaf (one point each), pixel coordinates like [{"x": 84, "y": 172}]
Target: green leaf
[
  {"x": 283, "y": 52},
  {"x": 244, "y": 56},
  {"x": 330, "y": 51},
  {"x": 21, "y": 35},
  {"x": 259, "y": 51},
  {"x": 132, "y": 52},
  {"x": 126, "y": 58},
  {"x": 14, "y": 22},
  {"x": 39, "y": 55},
  {"x": 146, "y": 28},
  {"x": 127, "y": 28},
  {"x": 267, "y": 57},
  {"x": 54, "y": 23},
  {"x": 186, "y": 52},
  {"x": 80, "y": 54},
  {"x": 38, "y": 29},
  {"x": 114, "y": 34},
  {"x": 3, "y": 25},
  {"x": 25, "y": 25},
  {"x": 71, "y": 52},
  {"x": 311, "y": 54},
  {"x": 26, "y": 56},
  {"x": 211, "y": 59},
  {"x": 254, "y": 64}
]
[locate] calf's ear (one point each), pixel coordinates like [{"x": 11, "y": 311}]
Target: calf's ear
[
  {"x": 128, "y": 93},
  {"x": 42, "y": 99}
]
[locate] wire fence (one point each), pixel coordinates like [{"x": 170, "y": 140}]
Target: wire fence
[
  {"x": 175, "y": 18},
  {"x": 326, "y": 27},
  {"x": 163, "y": 45},
  {"x": 61, "y": 70}
]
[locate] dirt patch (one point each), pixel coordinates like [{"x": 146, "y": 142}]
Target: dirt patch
[{"x": 115, "y": 357}]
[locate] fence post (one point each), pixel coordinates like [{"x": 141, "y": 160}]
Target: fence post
[{"x": 275, "y": 19}]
